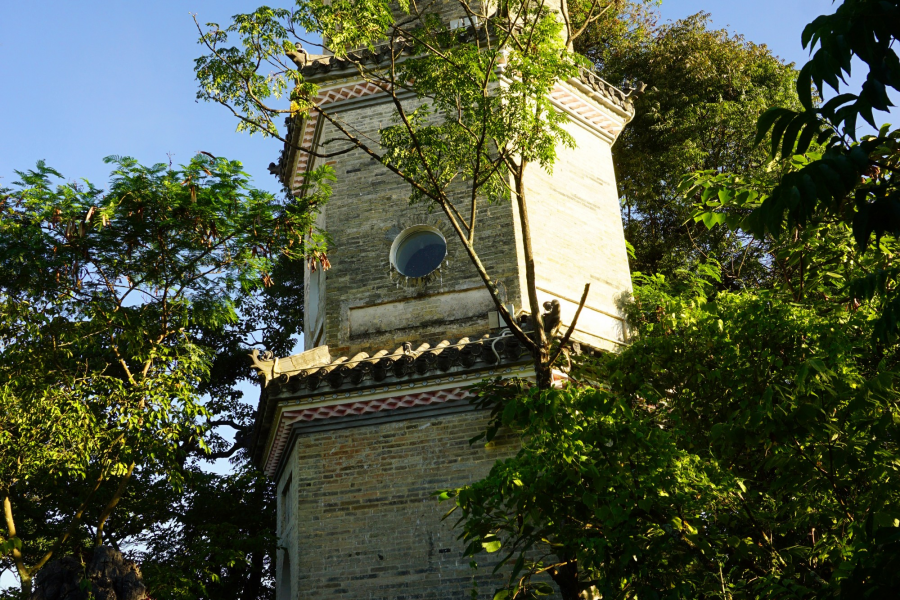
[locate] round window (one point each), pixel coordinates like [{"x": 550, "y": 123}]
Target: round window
[{"x": 418, "y": 251}]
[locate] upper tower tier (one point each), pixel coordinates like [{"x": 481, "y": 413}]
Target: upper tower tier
[{"x": 399, "y": 274}]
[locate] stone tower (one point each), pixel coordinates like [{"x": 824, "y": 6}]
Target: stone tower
[{"x": 360, "y": 429}]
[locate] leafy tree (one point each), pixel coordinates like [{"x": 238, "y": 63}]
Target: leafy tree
[
  {"x": 114, "y": 307},
  {"x": 745, "y": 444},
  {"x": 741, "y": 447},
  {"x": 486, "y": 116},
  {"x": 850, "y": 181},
  {"x": 707, "y": 89},
  {"x": 215, "y": 538}
]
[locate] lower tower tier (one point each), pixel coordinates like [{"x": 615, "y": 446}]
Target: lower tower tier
[{"x": 359, "y": 446}]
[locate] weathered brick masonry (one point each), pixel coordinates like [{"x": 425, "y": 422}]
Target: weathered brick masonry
[
  {"x": 367, "y": 523},
  {"x": 358, "y": 447},
  {"x": 368, "y": 209}
]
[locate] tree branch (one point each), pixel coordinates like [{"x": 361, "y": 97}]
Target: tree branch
[
  {"x": 565, "y": 340},
  {"x": 227, "y": 422},
  {"x": 240, "y": 443},
  {"x": 24, "y": 573},
  {"x": 112, "y": 504},
  {"x": 73, "y": 526}
]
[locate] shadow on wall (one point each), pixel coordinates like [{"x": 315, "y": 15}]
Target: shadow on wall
[{"x": 284, "y": 587}]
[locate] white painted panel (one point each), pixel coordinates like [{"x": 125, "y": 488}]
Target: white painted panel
[
  {"x": 591, "y": 321},
  {"x": 451, "y": 306}
]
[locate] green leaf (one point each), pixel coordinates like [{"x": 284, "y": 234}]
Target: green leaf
[
  {"x": 790, "y": 136},
  {"x": 766, "y": 121},
  {"x": 787, "y": 117},
  {"x": 804, "y": 87},
  {"x": 809, "y": 134}
]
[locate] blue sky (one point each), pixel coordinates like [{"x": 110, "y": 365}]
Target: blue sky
[{"x": 83, "y": 80}]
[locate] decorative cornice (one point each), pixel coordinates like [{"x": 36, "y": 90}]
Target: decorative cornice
[
  {"x": 346, "y": 79},
  {"x": 289, "y": 415},
  {"x": 606, "y": 121},
  {"x": 396, "y": 397},
  {"x": 313, "y": 376}
]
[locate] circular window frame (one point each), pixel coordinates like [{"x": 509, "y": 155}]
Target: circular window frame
[{"x": 406, "y": 234}]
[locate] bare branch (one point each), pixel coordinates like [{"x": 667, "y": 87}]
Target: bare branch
[
  {"x": 591, "y": 18},
  {"x": 227, "y": 423},
  {"x": 112, "y": 504},
  {"x": 565, "y": 340},
  {"x": 227, "y": 453}
]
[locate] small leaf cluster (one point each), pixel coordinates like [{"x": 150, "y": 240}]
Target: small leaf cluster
[
  {"x": 232, "y": 75},
  {"x": 490, "y": 94}
]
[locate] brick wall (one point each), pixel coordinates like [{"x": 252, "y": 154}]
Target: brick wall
[
  {"x": 365, "y": 522},
  {"x": 579, "y": 198},
  {"x": 577, "y": 237},
  {"x": 448, "y": 10},
  {"x": 369, "y": 207}
]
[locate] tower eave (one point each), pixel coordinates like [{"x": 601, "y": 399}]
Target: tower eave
[
  {"x": 330, "y": 390},
  {"x": 344, "y": 78}
]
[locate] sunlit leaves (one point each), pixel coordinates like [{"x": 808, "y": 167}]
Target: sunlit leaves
[
  {"x": 706, "y": 89},
  {"x": 111, "y": 302},
  {"x": 348, "y": 24},
  {"x": 722, "y": 437},
  {"x": 232, "y": 75},
  {"x": 486, "y": 91},
  {"x": 846, "y": 181}
]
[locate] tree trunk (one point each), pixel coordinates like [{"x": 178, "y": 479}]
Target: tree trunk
[
  {"x": 542, "y": 374},
  {"x": 108, "y": 576},
  {"x": 566, "y": 578}
]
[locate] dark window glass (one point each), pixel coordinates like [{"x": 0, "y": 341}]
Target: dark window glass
[{"x": 420, "y": 253}]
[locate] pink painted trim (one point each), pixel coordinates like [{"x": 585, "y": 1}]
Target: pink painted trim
[
  {"x": 294, "y": 415},
  {"x": 346, "y": 92}
]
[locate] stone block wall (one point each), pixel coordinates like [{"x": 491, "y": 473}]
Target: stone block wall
[
  {"x": 578, "y": 236},
  {"x": 369, "y": 207},
  {"x": 365, "y": 524},
  {"x": 448, "y": 10}
]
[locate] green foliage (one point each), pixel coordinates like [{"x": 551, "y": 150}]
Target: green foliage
[
  {"x": 115, "y": 307},
  {"x": 745, "y": 444},
  {"x": 620, "y": 31},
  {"x": 742, "y": 447},
  {"x": 230, "y": 75},
  {"x": 215, "y": 539},
  {"x": 487, "y": 93},
  {"x": 472, "y": 109},
  {"x": 706, "y": 90},
  {"x": 816, "y": 262},
  {"x": 850, "y": 181},
  {"x": 493, "y": 97}
]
